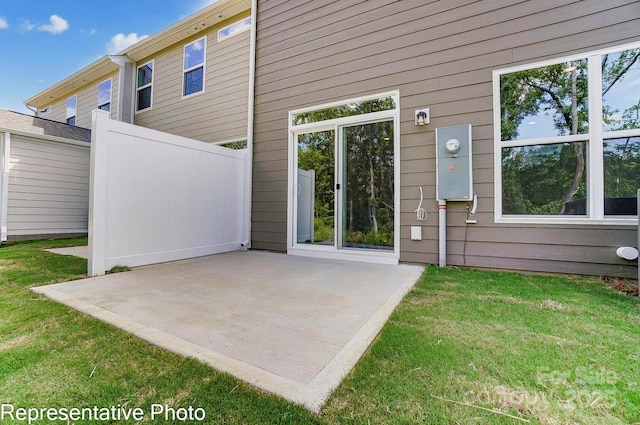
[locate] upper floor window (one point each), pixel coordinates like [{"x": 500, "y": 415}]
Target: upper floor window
[
  {"x": 235, "y": 28},
  {"x": 568, "y": 138},
  {"x": 104, "y": 95},
  {"x": 72, "y": 110},
  {"x": 45, "y": 111},
  {"x": 193, "y": 67},
  {"x": 144, "y": 86}
]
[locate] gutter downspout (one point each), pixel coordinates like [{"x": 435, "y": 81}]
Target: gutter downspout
[
  {"x": 442, "y": 234},
  {"x": 32, "y": 109},
  {"x": 4, "y": 184},
  {"x": 250, "y": 104}
]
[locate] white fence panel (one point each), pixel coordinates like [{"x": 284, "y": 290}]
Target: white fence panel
[{"x": 158, "y": 197}]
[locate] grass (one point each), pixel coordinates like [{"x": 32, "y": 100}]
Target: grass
[{"x": 544, "y": 349}]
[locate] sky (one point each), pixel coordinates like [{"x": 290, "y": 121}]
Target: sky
[{"x": 43, "y": 42}]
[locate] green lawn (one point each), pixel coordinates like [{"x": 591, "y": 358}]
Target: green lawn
[{"x": 465, "y": 346}]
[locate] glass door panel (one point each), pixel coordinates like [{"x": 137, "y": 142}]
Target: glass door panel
[
  {"x": 367, "y": 180},
  {"x": 315, "y": 194}
]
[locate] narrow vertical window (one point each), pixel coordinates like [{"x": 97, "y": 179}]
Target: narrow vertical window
[
  {"x": 144, "y": 85},
  {"x": 104, "y": 95},
  {"x": 72, "y": 109},
  {"x": 193, "y": 67}
]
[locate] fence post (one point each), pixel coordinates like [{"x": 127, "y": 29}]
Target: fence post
[{"x": 97, "y": 193}]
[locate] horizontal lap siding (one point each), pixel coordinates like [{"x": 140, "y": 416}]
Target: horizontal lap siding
[
  {"x": 48, "y": 188},
  {"x": 218, "y": 114},
  {"x": 87, "y": 101},
  {"x": 439, "y": 54}
]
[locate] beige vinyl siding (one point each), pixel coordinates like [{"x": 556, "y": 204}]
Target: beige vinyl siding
[
  {"x": 87, "y": 102},
  {"x": 217, "y": 114},
  {"x": 48, "y": 188},
  {"x": 439, "y": 55}
]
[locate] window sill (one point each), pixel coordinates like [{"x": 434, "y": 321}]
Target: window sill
[{"x": 554, "y": 220}]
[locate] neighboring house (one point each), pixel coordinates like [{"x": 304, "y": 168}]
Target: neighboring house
[
  {"x": 348, "y": 99},
  {"x": 44, "y": 178},
  {"x": 190, "y": 79}
]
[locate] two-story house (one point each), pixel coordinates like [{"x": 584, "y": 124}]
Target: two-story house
[
  {"x": 190, "y": 79},
  {"x": 483, "y": 133}
]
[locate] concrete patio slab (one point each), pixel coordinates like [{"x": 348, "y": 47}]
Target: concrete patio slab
[
  {"x": 76, "y": 251},
  {"x": 293, "y": 326}
]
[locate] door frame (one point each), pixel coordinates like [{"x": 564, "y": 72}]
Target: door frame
[{"x": 333, "y": 251}]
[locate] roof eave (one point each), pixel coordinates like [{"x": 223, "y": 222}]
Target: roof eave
[{"x": 189, "y": 26}]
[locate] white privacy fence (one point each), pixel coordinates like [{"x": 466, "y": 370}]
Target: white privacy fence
[{"x": 158, "y": 197}]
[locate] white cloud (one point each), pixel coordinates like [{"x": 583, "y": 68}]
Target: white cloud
[
  {"x": 27, "y": 26},
  {"x": 92, "y": 32},
  {"x": 3, "y": 23},
  {"x": 56, "y": 25},
  {"x": 120, "y": 42}
]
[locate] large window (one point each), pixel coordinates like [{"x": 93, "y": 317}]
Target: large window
[
  {"x": 193, "y": 67},
  {"x": 104, "y": 95},
  {"x": 144, "y": 86},
  {"x": 72, "y": 110},
  {"x": 568, "y": 139}
]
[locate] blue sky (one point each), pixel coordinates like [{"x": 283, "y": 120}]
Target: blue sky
[{"x": 42, "y": 42}]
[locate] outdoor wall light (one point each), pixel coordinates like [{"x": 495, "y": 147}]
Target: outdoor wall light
[{"x": 422, "y": 116}]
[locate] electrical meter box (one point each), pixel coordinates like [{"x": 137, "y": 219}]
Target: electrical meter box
[{"x": 454, "y": 174}]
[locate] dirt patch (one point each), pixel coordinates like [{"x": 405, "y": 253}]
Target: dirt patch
[
  {"x": 626, "y": 286},
  {"x": 16, "y": 342},
  {"x": 553, "y": 305}
]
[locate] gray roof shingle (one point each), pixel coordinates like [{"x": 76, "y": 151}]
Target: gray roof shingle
[{"x": 16, "y": 121}]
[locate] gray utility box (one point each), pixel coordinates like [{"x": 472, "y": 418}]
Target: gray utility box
[{"x": 454, "y": 175}]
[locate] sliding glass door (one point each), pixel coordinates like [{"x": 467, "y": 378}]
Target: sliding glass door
[
  {"x": 357, "y": 194},
  {"x": 366, "y": 202}
]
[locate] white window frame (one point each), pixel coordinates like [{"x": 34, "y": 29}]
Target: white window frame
[
  {"x": 45, "y": 111},
  {"x": 594, "y": 142},
  {"x": 242, "y": 25},
  {"x": 333, "y": 252},
  {"x": 153, "y": 76},
  {"x": 75, "y": 115},
  {"x": 203, "y": 65},
  {"x": 110, "y": 80}
]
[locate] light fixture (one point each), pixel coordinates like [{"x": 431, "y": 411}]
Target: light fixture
[
  {"x": 570, "y": 68},
  {"x": 422, "y": 116}
]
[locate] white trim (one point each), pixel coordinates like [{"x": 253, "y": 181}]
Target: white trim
[
  {"x": 250, "y": 122},
  {"x": 595, "y": 151},
  {"x": 110, "y": 102},
  {"x": 202, "y": 65},
  {"x": 594, "y": 139},
  {"x": 246, "y": 26},
  {"x": 335, "y": 251},
  {"x": 567, "y": 220},
  {"x": 562, "y": 59},
  {"x": 135, "y": 84},
  {"x": 5, "y": 148},
  {"x": 553, "y": 140}
]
